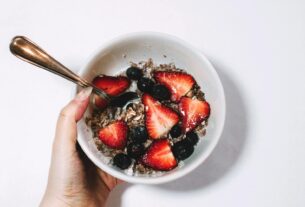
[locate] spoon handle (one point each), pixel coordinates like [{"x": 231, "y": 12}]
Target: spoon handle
[{"x": 28, "y": 51}]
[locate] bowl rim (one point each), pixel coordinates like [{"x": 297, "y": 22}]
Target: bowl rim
[{"x": 193, "y": 165}]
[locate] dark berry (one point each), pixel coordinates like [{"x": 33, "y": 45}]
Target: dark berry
[
  {"x": 139, "y": 134},
  {"x": 134, "y": 73},
  {"x": 135, "y": 150},
  {"x": 121, "y": 100},
  {"x": 160, "y": 92},
  {"x": 192, "y": 137},
  {"x": 145, "y": 84},
  {"x": 182, "y": 150},
  {"x": 122, "y": 161},
  {"x": 175, "y": 131}
]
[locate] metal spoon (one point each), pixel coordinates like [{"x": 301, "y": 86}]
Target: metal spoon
[{"x": 28, "y": 51}]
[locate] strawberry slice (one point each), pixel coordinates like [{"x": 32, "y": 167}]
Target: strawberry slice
[
  {"x": 177, "y": 82},
  {"x": 114, "y": 135},
  {"x": 159, "y": 118},
  {"x": 99, "y": 102},
  {"x": 159, "y": 156},
  {"x": 193, "y": 112},
  {"x": 113, "y": 86}
]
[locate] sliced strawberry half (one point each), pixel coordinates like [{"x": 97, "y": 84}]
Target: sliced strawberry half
[
  {"x": 112, "y": 85},
  {"x": 159, "y": 119},
  {"x": 99, "y": 101},
  {"x": 159, "y": 156},
  {"x": 193, "y": 112},
  {"x": 114, "y": 135},
  {"x": 177, "y": 82}
]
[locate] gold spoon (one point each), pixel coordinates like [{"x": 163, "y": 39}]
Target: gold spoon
[{"x": 28, "y": 51}]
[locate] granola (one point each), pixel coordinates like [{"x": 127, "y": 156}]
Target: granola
[{"x": 134, "y": 115}]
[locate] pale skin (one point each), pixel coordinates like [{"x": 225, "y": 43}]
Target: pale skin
[{"x": 73, "y": 179}]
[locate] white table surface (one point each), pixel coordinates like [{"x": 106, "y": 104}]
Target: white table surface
[{"x": 258, "y": 49}]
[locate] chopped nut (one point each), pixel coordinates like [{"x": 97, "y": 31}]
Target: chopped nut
[{"x": 137, "y": 118}]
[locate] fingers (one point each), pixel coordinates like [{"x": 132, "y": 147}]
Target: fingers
[
  {"x": 69, "y": 115},
  {"x": 76, "y": 108},
  {"x": 120, "y": 181},
  {"x": 109, "y": 180}
]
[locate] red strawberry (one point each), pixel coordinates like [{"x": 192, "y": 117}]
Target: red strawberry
[
  {"x": 193, "y": 112},
  {"x": 159, "y": 118},
  {"x": 177, "y": 82},
  {"x": 114, "y": 135},
  {"x": 113, "y": 86},
  {"x": 99, "y": 101},
  {"x": 159, "y": 156}
]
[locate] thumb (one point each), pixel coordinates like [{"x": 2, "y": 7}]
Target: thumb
[{"x": 66, "y": 131}]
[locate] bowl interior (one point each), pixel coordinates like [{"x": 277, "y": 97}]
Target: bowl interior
[{"x": 116, "y": 56}]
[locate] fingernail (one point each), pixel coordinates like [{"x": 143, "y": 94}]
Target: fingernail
[{"x": 83, "y": 94}]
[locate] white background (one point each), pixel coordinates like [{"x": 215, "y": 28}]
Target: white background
[{"x": 258, "y": 49}]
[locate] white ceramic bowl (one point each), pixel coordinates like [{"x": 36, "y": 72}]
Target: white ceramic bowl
[{"x": 114, "y": 57}]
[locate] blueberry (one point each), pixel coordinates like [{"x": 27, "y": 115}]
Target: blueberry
[
  {"x": 145, "y": 84},
  {"x": 192, "y": 137},
  {"x": 139, "y": 134},
  {"x": 175, "y": 131},
  {"x": 135, "y": 150},
  {"x": 160, "y": 92},
  {"x": 182, "y": 150},
  {"x": 122, "y": 161},
  {"x": 121, "y": 100},
  {"x": 134, "y": 73}
]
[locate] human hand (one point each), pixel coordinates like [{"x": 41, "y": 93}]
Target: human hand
[{"x": 73, "y": 178}]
